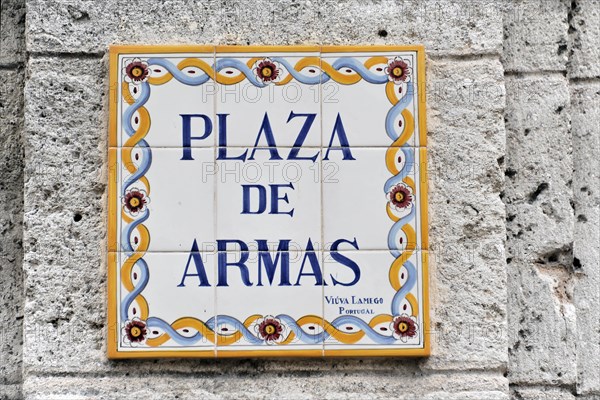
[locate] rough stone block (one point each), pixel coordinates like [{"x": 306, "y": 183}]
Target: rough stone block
[
  {"x": 444, "y": 26},
  {"x": 584, "y": 27},
  {"x": 65, "y": 147},
  {"x": 467, "y": 230},
  {"x": 539, "y": 169},
  {"x": 11, "y": 392},
  {"x": 11, "y": 229},
  {"x": 535, "y": 35},
  {"x": 542, "y": 394},
  {"x": 260, "y": 384},
  {"x": 585, "y": 125},
  {"x": 12, "y": 32},
  {"x": 540, "y": 230},
  {"x": 542, "y": 325},
  {"x": 466, "y": 396}
]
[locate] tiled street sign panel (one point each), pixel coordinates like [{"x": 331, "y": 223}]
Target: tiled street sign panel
[{"x": 267, "y": 201}]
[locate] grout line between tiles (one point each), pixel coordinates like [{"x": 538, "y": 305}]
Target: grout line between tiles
[
  {"x": 322, "y": 203},
  {"x": 267, "y": 147},
  {"x": 256, "y": 251},
  {"x": 215, "y": 198}
]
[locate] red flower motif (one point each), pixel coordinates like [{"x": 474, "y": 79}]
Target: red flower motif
[
  {"x": 267, "y": 70},
  {"x": 137, "y": 71},
  {"x": 404, "y": 327},
  {"x": 400, "y": 196},
  {"x": 270, "y": 329},
  {"x": 135, "y": 200},
  {"x": 136, "y": 331},
  {"x": 397, "y": 70}
]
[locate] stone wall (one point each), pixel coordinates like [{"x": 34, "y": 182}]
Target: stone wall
[
  {"x": 513, "y": 119},
  {"x": 12, "y": 74},
  {"x": 551, "y": 54}
]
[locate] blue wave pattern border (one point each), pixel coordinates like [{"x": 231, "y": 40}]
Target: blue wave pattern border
[{"x": 290, "y": 322}]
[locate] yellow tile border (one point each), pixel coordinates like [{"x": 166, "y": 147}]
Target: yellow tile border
[
  {"x": 266, "y": 49},
  {"x": 190, "y": 48},
  {"x": 112, "y": 334},
  {"x": 422, "y": 91},
  {"x": 112, "y": 327},
  {"x": 423, "y": 185},
  {"x": 113, "y": 176}
]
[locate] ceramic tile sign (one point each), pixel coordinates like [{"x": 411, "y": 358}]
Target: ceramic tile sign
[{"x": 267, "y": 201}]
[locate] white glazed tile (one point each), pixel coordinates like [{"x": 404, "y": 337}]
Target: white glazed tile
[
  {"x": 355, "y": 199},
  {"x": 361, "y": 107},
  {"x": 170, "y": 296},
  {"x": 180, "y": 199},
  {"x": 168, "y": 101},
  {"x": 297, "y": 219},
  {"x": 367, "y": 295},
  {"x": 295, "y": 298},
  {"x": 291, "y": 110}
]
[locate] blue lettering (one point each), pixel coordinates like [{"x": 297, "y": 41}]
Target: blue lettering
[
  {"x": 222, "y": 154},
  {"x": 262, "y": 199},
  {"x": 187, "y": 132},
  {"x": 343, "y": 139},
  {"x": 310, "y": 118},
  {"x": 275, "y": 199},
  {"x": 314, "y": 263},
  {"x": 270, "y": 265},
  {"x": 345, "y": 261},
  {"x": 200, "y": 270},
  {"x": 272, "y": 147}
]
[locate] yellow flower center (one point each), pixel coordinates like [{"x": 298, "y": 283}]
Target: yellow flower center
[
  {"x": 403, "y": 327},
  {"x": 397, "y": 71},
  {"x": 134, "y": 202},
  {"x": 267, "y": 71},
  {"x": 137, "y": 71},
  {"x": 270, "y": 329},
  {"x": 399, "y": 196},
  {"x": 135, "y": 331}
]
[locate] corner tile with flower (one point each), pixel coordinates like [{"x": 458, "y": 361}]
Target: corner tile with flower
[
  {"x": 136, "y": 71},
  {"x": 404, "y": 327},
  {"x": 398, "y": 70},
  {"x": 134, "y": 332}
]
